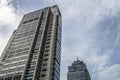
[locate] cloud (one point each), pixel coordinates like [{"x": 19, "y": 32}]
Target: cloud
[
  {"x": 8, "y": 22},
  {"x": 7, "y": 14},
  {"x": 110, "y": 73}
]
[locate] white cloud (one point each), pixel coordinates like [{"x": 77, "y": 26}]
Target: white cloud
[
  {"x": 99, "y": 61},
  {"x": 8, "y": 22},
  {"x": 7, "y": 14},
  {"x": 110, "y": 73}
]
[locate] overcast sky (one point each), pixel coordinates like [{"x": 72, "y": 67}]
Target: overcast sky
[{"x": 90, "y": 30}]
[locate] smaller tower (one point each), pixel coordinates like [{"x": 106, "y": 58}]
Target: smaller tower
[{"x": 78, "y": 71}]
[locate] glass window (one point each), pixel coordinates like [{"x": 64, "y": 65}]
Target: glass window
[
  {"x": 29, "y": 78},
  {"x": 43, "y": 75}
]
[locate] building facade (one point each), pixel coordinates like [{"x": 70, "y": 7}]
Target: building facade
[
  {"x": 78, "y": 71},
  {"x": 34, "y": 49}
]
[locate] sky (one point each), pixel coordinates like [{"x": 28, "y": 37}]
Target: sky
[{"x": 90, "y": 30}]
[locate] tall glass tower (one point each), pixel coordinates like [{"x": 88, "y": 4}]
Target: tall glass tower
[
  {"x": 34, "y": 49},
  {"x": 78, "y": 71}
]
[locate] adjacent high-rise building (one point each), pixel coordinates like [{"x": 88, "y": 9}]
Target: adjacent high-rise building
[
  {"x": 34, "y": 49},
  {"x": 78, "y": 71}
]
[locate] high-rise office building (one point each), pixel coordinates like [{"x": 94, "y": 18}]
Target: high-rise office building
[
  {"x": 78, "y": 71},
  {"x": 34, "y": 49}
]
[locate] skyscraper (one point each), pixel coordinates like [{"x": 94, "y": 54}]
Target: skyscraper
[
  {"x": 78, "y": 71},
  {"x": 34, "y": 49}
]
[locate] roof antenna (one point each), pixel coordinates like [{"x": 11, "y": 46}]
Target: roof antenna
[{"x": 77, "y": 58}]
